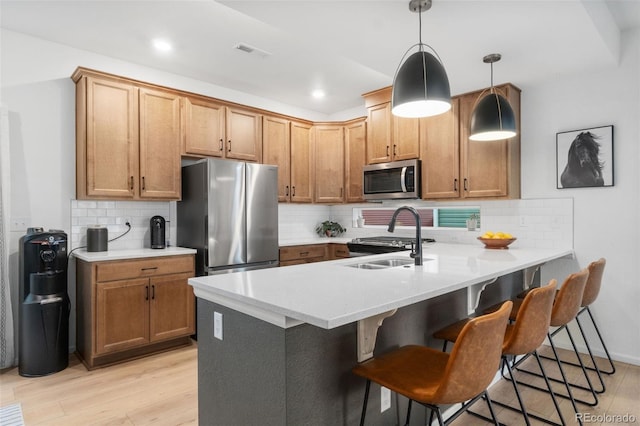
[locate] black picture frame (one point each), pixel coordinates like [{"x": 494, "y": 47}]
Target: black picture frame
[{"x": 584, "y": 158}]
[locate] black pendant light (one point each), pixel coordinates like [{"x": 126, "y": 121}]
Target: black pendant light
[
  {"x": 492, "y": 118},
  {"x": 420, "y": 86}
]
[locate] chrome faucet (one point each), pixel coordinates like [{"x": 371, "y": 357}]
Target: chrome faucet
[{"x": 416, "y": 252}]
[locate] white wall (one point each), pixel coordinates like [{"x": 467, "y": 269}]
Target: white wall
[
  {"x": 606, "y": 222},
  {"x": 39, "y": 94}
]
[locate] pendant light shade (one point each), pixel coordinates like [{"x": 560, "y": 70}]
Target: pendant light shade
[
  {"x": 492, "y": 118},
  {"x": 420, "y": 86}
]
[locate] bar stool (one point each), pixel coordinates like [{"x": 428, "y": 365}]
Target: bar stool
[
  {"x": 432, "y": 378},
  {"x": 591, "y": 291},
  {"x": 565, "y": 308},
  {"x": 523, "y": 337}
]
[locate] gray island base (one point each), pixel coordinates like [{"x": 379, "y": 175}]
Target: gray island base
[{"x": 298, "y": 372}]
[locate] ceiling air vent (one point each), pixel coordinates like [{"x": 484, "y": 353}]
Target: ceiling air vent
[{"x": 247, "y": 48}]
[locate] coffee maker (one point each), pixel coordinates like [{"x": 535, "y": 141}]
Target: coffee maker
[
  {"x": 157, "y": 227},
  {"x": 43, "y": 313}
]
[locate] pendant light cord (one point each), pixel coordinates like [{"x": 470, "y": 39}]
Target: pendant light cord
[{"x": 420, "y": 26}]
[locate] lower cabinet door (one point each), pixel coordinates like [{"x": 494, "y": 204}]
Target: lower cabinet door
[
  {"x": 122, "y": 315},
  {"x": 172, "y": 307}
]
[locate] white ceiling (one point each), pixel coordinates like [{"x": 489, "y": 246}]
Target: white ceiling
[{"x": 346, "y": 48}]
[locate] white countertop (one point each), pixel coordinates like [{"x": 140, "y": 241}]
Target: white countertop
[
  {"x": 330, "y": 294},
  {"x": 100, "y": 256},
  {"x": 310, "y": 241}
]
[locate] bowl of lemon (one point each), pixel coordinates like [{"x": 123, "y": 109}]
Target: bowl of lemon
[{"x": 496, "y": 240}]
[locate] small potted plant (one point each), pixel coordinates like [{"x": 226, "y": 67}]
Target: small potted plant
[{"x": 329, "y": 228}]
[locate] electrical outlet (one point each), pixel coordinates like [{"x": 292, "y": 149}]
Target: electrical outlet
[
  {"x": 217, "y": 325},
  {"x": 524, "y": 221},
  {"x": 19, "y": 224},
  {"x": 385, "y": 399}
]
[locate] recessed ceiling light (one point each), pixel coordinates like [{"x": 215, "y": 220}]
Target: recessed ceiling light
[
  {"x": 318, "y": 94},
  {"x": 162, "y": 45}
]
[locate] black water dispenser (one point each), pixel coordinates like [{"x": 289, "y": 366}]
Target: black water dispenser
[{"x": 43, "y": 318}]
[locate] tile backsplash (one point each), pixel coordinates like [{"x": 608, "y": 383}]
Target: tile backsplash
[
  {"x": 543, "y": 223},
  {"x": 113, "y": 215}
]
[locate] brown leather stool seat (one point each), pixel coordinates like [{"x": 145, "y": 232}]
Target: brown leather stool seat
[
  {"x": 431, "y": 377},
  {"x": 522, "y": 337}
]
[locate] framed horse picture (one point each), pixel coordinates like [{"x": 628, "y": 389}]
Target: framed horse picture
[{"x": 584, "y": 158}]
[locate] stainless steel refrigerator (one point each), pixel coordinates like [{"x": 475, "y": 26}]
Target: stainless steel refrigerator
[{"x": 229, "y": 214}]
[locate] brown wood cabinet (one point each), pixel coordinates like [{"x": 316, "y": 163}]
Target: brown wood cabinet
[
  {"x": 302, "y": 160},
  {"x": 276, "y": 142},
  {"x": 130, "y": 308},
  {"x": 217, "y": 130},
  {"x": 355, "y": 133},
  {"x": 296, "y": 255},
  {"x": 311, "y": 253},
  {"x": 329, "y": 163},
  {"x": 441, "y": 155},
  {"x": 389, "y": 138},
  {"x": 127, "y": 139},
  {"x": 455, "y": 167},
  {"x": 204, "y": 127},
  {"x": 338, "y": 251},
  {"x": 490, "y": 169}
]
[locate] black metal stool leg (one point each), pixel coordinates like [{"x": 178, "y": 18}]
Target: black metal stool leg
[
  {"x": 546, "y": 380},
  {"x": 593, "y": 321},
  {"x": 364, "y": 404},
  {"x": 406, "y": 423}
]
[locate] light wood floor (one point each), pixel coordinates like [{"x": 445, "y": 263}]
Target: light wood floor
[{"x": 162, "y": 389}]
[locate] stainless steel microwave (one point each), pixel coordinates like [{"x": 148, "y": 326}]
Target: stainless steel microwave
[{"x": 392, "y": 181}]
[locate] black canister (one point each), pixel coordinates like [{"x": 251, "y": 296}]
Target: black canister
[
  {"x": 157, "y": 228},
  {"x": 97, "y": 238}
]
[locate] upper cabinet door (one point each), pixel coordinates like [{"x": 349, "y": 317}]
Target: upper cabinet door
[
  {"x": 355, "y": 153},
  {"x": 406, "y": 139},
  {"x": 160, "y": 138},
  {"x": 301, "y": 163},
  {"x": 244, "y": 135},
  {"x": 329, "y": 155},
  {"x": 379, "y": 133},
  {"x": 441, "y": 155},
  {"x": 107, "y": 139},
  {"x": 204, "y": 127},
  {"x": 275, "y": 150}
]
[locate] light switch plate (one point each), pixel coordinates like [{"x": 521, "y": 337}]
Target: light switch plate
[{"x": 217, "y": 325}]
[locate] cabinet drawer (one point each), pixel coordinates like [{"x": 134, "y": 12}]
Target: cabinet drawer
[
  {"x": 303, "y": 252},
  {"x": 339, "y": 251},
  {"x": 126, "y": 269}
]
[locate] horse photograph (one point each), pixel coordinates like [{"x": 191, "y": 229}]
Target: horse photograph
[{"x": 585, "y": 158}]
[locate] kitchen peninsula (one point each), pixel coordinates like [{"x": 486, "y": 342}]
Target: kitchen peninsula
[{"x": 276, "y": 346}]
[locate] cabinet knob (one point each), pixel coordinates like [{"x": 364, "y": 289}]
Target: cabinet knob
[
  {"x": 229, "y": 145},
  {"x": 465, "y": 185},
  {"x": 293, "y": 191},
  {"x": 146, "y": 288},
  {"x": 387, "y": 150},
  {"x": 143, "y": 185},
  {"x": 394, "y": 150},
  {"x": 286, "y": 191},
  {"x": 455, "y": 184},
  {"x": 131, "y": 183},
  {"x": 221, "y": 144}
]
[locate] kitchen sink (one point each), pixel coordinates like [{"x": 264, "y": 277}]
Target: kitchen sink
[{"x": 383, "y": 263}]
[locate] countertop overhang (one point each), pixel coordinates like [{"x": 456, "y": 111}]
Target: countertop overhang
[
  {"x": 101, "y": 256},
  {"x": 332, "y": 294}
]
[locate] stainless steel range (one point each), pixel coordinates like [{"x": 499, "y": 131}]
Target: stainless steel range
[{"x": 387, "y": 244}]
